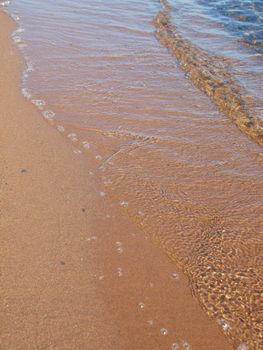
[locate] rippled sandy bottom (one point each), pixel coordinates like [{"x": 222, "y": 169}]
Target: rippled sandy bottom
[{"x": 180, "y": 169}]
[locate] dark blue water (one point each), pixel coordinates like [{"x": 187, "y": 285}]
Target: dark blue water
[{"x": 242, "y": 18}]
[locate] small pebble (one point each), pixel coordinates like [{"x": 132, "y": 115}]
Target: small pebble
[
  {"x": 23, "y": 170},
  {"x": 62, "y": 262}
]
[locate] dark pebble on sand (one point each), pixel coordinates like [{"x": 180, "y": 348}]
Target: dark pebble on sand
[
  {"x": 62, "y": 262},
  {"x": 23, "y": 171}
]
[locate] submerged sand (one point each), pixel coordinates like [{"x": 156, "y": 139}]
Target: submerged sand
[{"x": 64, "y": 282}]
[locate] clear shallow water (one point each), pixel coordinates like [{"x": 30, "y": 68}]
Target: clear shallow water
[
  {"x": 231, "y": 29},
  {"x": 181, "y": 169}
]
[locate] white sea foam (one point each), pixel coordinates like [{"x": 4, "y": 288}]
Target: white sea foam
[
  {"x": 39, "y": 103},
  {"x": 61, "y": 128},
  {"x": 85, "y": 145},
  {"x": 5, "y": 3},
  {"x": 26, "y": 93},
  {"x": 48, "y": 114}
]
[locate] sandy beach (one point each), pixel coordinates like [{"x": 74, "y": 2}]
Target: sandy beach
[{"x": 76, "y": 273}]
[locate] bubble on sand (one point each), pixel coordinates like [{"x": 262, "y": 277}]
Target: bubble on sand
[
  {"x": 22, "y": 46},
  {"x": 119, "y": 271},
  {"x": 26, "y": 93},
  {"x": 120, "y": 250},
  {"x": 17, "y": 39},
  {"x": 15, "y": 17},
  {"x": 85, "y": 145},
  {"x": 242, "y": 346},
  {"x": 98, "y": 157},
  {"x": 119, "y": 247},
  {"x": 60, "y": 128},
  {"x": 24, "y": 76},
  {"x": 20, "y": 30},
  {"x": 72, "y": 135},
  {"x": 141, "y": 305},
  {"x": 174, "y": 346},
  {"x": 39, "y": 103},
  {"x": 124, "y": 204},
  {"x": 223, "y": 323},
  {"x": 185, "y": 344},
  {"x": 91, "y": 238},
  {"x": 164, "y": 331},
  {"x": 91, "y": 173},
  {"x": 5, "y": 3},
  {"x": 48, "y": 114},
  {"x": 102, "y": 194},
  {"x": 77, "y": 151},
  {"x": 175, "y": 275},
  {"x": 101, "y": 278},
  {"x": 30, "y": 67}
]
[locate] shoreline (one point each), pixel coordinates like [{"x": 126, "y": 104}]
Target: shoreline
[{"x": 59, "y": 289}]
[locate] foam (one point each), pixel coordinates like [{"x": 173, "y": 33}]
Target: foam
[
  {"x": 73, "y": 137},
  {"x": 124, "y": 204},
  {"x": 39, "y": 103},
  {"x": 223, "y": 323},
  {"x": 5, "y": 3},
  {"x": 48, "y": 114},
  {"x": 61, "y": 128},
  {"x": 85, "y": 145},
  {"x": 26, "y": 93}
]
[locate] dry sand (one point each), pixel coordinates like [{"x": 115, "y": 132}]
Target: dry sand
[{"x": 60, "y": 289}]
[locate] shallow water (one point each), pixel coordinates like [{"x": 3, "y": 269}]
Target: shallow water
[{"x": 178, "y": 166}]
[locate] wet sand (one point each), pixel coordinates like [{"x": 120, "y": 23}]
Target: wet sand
[{"x": 76, "y": 273}]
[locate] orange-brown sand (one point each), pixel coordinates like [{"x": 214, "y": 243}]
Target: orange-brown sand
[{"x": 64, "y": 282}]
